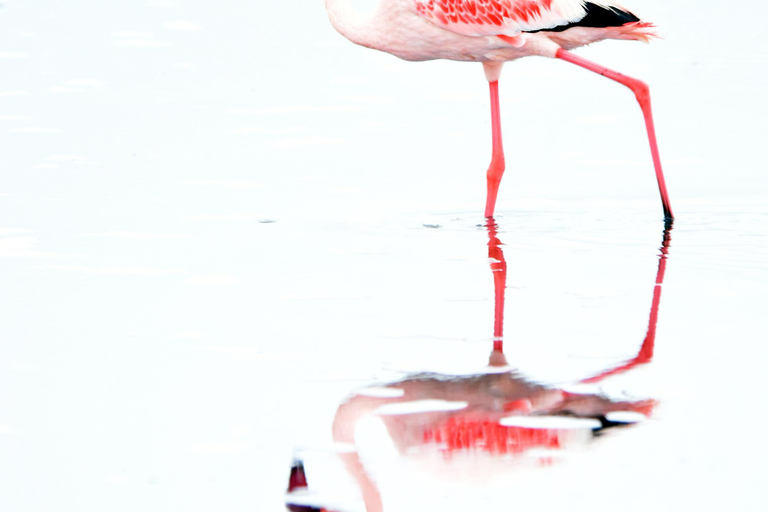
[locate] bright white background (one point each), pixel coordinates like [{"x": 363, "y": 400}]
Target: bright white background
[{"x": 212, "y": 229}]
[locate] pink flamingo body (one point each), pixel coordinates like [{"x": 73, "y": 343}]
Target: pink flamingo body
[{"x": 493, "y": 32}]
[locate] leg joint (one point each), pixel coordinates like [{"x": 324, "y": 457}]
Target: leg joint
[{"x": 640, "y": 88}]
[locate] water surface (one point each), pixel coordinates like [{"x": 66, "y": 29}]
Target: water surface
[{"x": 218, "y": 221}]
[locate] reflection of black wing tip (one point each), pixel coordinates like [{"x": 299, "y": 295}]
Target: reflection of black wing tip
[
  {"x": 606, "y": 424},
  {"x": 297, "y": 482},
  {"x": 598, "y": 16},
  {"x": 302, "y": 508},
  {"x": 298, "y": 478}
]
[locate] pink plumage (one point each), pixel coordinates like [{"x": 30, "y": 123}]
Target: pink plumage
[{"x": 494, "y": 17}]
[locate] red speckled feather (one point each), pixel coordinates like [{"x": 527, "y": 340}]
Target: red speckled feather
[{"x": 494, "y": 17}]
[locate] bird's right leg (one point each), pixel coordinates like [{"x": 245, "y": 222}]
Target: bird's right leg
[{"x": 496, "y": 169}]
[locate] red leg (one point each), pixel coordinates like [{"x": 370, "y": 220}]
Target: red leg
[
  {"x": 643, "y": 97},
  {"x": 496, "y": 169}
]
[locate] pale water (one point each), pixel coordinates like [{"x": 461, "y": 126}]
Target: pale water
[{"x": 217, "y": 220}]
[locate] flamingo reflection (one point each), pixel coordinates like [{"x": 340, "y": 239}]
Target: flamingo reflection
[{"x": 496, "y": 413}]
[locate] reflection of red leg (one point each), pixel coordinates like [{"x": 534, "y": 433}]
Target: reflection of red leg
[
  {"x": 496, "y": 169},
  {"x": 347, "y": 416},
  {"x": 499, "y": 269},
  {"x": 645, "y": 354},
  {"x": 644, "y": 99}
]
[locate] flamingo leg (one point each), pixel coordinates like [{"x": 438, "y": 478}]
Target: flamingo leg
[
  {"x": 643, "y": 96},
  {"x": 496, "y": 169}
]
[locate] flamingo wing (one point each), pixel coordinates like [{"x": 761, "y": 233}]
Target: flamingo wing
[{"x": 500, "y": 17}]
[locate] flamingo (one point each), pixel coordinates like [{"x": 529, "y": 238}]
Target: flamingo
[{"x": 493, "y": 32}]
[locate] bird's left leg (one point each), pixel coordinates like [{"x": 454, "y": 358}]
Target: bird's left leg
[
  {"x": 643, "y": 96},
  {"x": 496, "y": 169}
]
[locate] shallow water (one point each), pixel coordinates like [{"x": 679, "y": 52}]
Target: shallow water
[{"x": 218, "y": 221}]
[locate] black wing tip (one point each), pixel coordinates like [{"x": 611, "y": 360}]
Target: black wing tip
[
  {"x": 598, "y": 16},
  {"x": 601, "y": 16}
]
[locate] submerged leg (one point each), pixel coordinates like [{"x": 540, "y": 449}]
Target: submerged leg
[
  {"x": 496, "y": 169},
  {"x": 644, "y": 99}
]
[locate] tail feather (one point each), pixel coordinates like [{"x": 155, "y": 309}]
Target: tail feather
[{"x": 635, "y": 31}]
